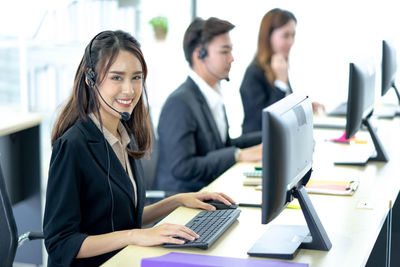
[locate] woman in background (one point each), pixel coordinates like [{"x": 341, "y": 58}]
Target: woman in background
[
  {"x": 95, "y": 193},
  {"x": 266, "y": 79}
]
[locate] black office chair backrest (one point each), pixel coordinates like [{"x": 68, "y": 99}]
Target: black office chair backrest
[
  {"x": 150, "y": 163},
  {"x": 8, "y": 228}
]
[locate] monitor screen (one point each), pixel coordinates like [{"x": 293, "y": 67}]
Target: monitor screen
[
  {"x": 287, "y": 137},
  {"x": 360, "y": 102},
  {"x": 287, "y": 133},
  {"x": 360, "y": 106},
  {"x": 389, "y": 66}
]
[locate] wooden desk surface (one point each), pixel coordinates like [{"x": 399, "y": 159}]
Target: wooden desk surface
[
  {"x": 11, "y": 122},
  {"x": 352, "y": 223}
]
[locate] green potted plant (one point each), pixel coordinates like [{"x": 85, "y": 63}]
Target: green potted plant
[{"x": 160, "y": 27}]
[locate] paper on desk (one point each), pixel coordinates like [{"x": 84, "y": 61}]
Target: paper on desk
[{"x": 332, "y": 187}]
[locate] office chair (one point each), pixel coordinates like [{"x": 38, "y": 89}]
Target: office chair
[
  {"x": 8, "y": 228},
  {"x": 149, "y": 165}
]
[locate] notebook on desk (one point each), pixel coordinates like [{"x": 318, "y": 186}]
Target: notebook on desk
[
  {"x": 174, "y": 259},
  {"x": 325, "y": 187},
  {"x": 355, "y": 154},
  {"x": 328, "y": 187}
]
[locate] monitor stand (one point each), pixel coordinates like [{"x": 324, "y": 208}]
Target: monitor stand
[
  {"x": 388, "y": 111},
  {"x": 396, "y": 91},
  {"x": 379, "y": 155},
  {"x": 283, "y": 241}
]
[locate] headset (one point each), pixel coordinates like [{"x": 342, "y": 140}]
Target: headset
[
  {"x": 202, "y": 54},
  {"x": 91, "y": 77}
]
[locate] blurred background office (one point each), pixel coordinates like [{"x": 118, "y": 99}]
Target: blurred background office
[{"x": 42, "y": 41}]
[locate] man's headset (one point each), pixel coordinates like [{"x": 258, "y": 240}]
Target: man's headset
[
  {"x": 91, "y": 77},
  {"x": 202, "y": 53}
]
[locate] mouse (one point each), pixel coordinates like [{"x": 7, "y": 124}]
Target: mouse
[{"x": 220, "y": 205}]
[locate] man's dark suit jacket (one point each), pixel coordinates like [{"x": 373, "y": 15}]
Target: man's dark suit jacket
[
  {"x": 257, "y": 93},
  {"x": 78, "y": 201},
  {"x": 191, "y": 151}
]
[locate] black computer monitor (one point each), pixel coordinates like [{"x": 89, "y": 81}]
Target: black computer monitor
[
  {"x": 360, "y": 106},
  {"x": 287, "y": 133},
  {"x": 389, "y": 68}
]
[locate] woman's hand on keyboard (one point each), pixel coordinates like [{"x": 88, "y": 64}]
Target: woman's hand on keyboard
[
  {"x": 195, "y": 200},
  {"x": 164, "y": 233}
]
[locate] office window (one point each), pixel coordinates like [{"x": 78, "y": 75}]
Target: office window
[{"x": 9, "y": 75}]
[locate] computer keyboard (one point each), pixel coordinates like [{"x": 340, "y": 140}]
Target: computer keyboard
[
  {"x": 253, "y": 174},
  {"x": 340, "y": 110},
  {"x": 385, "y": 111},
  {"x": 380, "y": 111},
  {"x": 209, "y": 225}
]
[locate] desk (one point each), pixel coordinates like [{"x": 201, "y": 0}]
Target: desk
[
  {"x": 19, "y": 146},
  {"x": 352, "y": 230},
  {"x": 20, "y": 161}
]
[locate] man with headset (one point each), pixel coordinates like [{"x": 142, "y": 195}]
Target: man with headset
[{"x": 194, "y": 144}]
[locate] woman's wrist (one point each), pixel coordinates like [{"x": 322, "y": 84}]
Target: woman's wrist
[
  {"x": 237, "y": 154},
  {"x": 281, "y": 85},
  {"x": 132, "y": 237},
  {"x": 179, "y": 199}
]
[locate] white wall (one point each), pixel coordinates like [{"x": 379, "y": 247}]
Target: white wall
[{"x": 330, "y": 34}]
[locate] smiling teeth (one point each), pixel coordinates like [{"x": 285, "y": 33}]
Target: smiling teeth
[{"x": 125, "y": 102}]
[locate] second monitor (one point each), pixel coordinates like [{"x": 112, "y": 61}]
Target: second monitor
[
  {"x": 388, "y": 77},
  {"x": 360, "y": 107},
  {"x": 287, "y": 133}
]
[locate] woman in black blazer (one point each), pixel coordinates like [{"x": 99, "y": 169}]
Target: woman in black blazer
[
  {"x": 266, "y": 79},
  {"x": 95, "y": 193}
]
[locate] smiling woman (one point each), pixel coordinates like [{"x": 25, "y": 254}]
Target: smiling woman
[{"x": 95, "y": 192}]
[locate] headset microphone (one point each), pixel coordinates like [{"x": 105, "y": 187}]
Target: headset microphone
[{"x": 124, "y": 115}]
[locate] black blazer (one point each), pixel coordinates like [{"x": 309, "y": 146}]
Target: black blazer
[
  {"x": 78, "y": 200},
  {"x": 191, "y": 151},
  {"x": 257, "y": 93}
]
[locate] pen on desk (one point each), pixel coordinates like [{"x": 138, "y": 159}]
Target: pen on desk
[
  {"x": 349, "y": 185},
  {"x": 250, "y": 205},
  {"x": 352, "y": 185},
  {"x": 347, "y": 141},
  {"x": 337, "y": 141}
]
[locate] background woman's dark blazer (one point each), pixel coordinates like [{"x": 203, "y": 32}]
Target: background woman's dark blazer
[
  {"x": 78, "y": 201},
  {"x": 257, "y": 93}
]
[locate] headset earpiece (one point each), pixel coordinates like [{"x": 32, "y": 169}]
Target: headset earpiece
[
  {"x": 91, "y": 76},
  {"x": 202, "y": 53}
]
